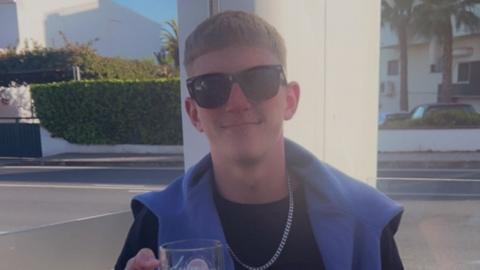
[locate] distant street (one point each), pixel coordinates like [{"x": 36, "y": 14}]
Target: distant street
[
  {"x": 430, "y": 182},
  {"x": 37, "y": 196},
  {"x": 430, "y": 173}
]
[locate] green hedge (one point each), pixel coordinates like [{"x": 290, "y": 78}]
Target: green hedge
[
  {"x": 92, "y": 65},
  {"x": 437, "y": 120},
  {"x": 111, "y": 111}
]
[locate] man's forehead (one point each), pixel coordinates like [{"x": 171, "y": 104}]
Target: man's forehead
[{"x": 231, "y": 60}]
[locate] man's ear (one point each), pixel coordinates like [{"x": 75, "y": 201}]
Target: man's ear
[
  {"x": 192, "y": 111},
  {"x": 292, "y": 97}
]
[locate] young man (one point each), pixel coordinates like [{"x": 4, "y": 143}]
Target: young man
[{"x": 271, "y": 203}]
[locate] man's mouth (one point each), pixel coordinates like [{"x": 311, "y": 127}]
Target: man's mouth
[{"x": 240, "y": 124}]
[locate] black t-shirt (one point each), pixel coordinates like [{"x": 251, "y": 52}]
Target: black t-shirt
[{"x": 254, "y": 232}]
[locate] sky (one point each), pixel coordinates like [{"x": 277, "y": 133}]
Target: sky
[{"x": 157, "y": 10}]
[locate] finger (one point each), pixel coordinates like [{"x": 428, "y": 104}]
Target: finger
[
  {"x": 130, "y": 264},
  {"x": 145, "y": 260}
]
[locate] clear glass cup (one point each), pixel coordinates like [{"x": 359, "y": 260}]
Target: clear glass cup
[{"x": 192, "y": 254}]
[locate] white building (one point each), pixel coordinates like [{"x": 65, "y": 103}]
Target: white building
[
  {"x": 119, "y": 30},
  {"x": 424, "y": 74}
]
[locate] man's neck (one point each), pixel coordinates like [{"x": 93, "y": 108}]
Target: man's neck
[{"x": 257, "y": 182}]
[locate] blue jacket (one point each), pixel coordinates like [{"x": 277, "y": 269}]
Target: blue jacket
[{"x": 347, "y": 216}]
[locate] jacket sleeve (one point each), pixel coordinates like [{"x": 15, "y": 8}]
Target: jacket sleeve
[
  {"x": 389, "y": 252},
  {"x": 142, "y": 234}
]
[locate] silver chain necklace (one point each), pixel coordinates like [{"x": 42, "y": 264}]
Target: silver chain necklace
[{"x": 286, "y": 232}]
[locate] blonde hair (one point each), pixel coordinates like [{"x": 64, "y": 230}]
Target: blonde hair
[{"x": 234, "y": 28}]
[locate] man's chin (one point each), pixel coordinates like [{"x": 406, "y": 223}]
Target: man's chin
[{"x": 247, "y": 158}]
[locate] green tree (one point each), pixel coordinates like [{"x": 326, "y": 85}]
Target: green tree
[
  {"x": 436, "y": 19},
  {"x": 398, "y": 15},
  {"x": 169, "y": 51}
]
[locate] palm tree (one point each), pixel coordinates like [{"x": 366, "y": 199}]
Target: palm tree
[
  {"x": 397, "y": 14},
  {"x": 170, "y": 42},
  {"x": 435, "y": 19}
]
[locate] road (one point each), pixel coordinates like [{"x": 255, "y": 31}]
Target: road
[
  {"x": 440, "y": 233},
  {"x": 441, "y": 228},
  {"x": 38, "y": 196},
  {"x": 430, "y": 173}
]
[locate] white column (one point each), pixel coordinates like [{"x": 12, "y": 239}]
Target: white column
[{"x": 333, "y": 49}]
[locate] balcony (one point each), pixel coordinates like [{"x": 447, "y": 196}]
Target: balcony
[{"x": 463, "y": 90}]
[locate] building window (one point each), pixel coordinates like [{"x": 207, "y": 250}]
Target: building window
[
  {"x": 464, "y": 72},
  {"x": 392, "y": 67}
]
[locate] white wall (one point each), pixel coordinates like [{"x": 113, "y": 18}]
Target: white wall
[
  {"x": 32, "y": 14},
  {"x": 52, "y": 146},
  {"x": 333, "y": 54},
  {"x": 190, "y": 14},
  {"x": 429, "y": 140},
  {"x": 422, "y": 85},
  {"x": 8, "y": 25},
  {"x": 121, "y": 32}
]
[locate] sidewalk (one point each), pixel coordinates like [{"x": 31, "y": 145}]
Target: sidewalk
[
  {"x": 433, "y": 160},
  {"x": 390, "y": 160},
  {"x": 411, "y": 182},
  {"x": 99, "y": 160}
]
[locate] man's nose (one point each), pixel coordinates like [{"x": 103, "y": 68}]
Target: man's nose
[{"x": 237, "y": 101}]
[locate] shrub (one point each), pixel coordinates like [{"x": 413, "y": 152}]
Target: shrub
[
  {"x": 111, "y": 111},
  {"x": 441, "y": 119},
  {"x": 44, "y": 61}
]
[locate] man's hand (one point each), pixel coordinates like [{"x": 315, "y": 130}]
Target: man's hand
[{"x": 144, "y": 260}]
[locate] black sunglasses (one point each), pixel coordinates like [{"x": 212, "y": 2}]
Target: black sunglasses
[{"x": 258, "y": 84}]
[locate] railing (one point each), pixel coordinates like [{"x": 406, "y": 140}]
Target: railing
[
  {"x": 465, "y": 90},
  {"x": 17, "y": 120},
  {"x": 20, "y": 137},
  {"x": 40, "y": 76}
]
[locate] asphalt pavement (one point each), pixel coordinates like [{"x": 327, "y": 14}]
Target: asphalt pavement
[
  {"x": 98, "y": 159},
  {"x": 437, "y": 232},
  {"x": 429, "y": 160},
  {"x": 33, "y": 196},
  {"x": 399, "y": 174}
]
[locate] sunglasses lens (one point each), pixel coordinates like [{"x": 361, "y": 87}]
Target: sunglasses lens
[
  {"x": 211, "y": 91},
  {"x": 260, "y": 83}
]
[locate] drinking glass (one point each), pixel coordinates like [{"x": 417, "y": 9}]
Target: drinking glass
[{"x": 192, "y": 254}]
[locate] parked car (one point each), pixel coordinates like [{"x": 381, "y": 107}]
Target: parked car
[{"x": 423, "y": 110}]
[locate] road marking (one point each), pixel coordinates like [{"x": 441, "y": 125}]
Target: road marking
[
  {"x": 119, "y": 185},
  {"x": 474, "y": 262},
  {"x": 428, "y": 170},
  {"x": 428, "y": 179},
  {"x": 114, "y": 187},
  {"x": 464, "y": 195},
  {"x": 94, "y": 167},
  {"x": 65, "y": 222},
  {"x": 139, "y": 191}
]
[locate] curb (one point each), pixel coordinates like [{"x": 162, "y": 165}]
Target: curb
[
  {"x": 428, "y": 164},
  {"x": 98, "y": 164},
  {"x": 430, "y": 188}
]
